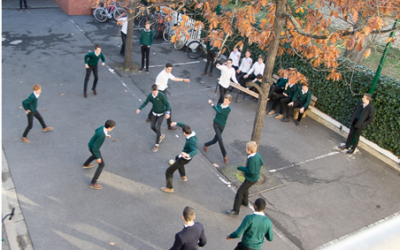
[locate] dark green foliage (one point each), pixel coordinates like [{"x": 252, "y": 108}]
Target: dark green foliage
[{"x": 337, "y": 100}]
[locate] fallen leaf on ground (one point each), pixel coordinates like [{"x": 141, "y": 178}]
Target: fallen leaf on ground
[
  {"x": 63, "y": 94},
  {"x": 216, "y": 165},
  {"x": 114, "y": 140},
  {"x": 61, "y": 84},
  {"x": 20, "y": 107},
  {"x": 44, "y": 109},
  {"x": 126, "y": 90},
  {"x": 112, "y": 243},
  {"x": 188, "y": 86}
]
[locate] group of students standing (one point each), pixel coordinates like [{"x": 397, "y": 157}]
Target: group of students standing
[{"x": 255, "y": 227}]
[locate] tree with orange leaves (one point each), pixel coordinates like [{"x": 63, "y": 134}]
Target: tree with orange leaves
[{"x": 311, "y": 37}]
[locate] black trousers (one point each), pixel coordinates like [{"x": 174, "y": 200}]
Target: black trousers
[
  {"x": 284, "y": 106},
  {"x": 178, "y": 165},
  {"x": 169, "y": 120},
  {"x": 297, "y": 104},
  {"x": 99, "y": 168},
  {"x": 241, "y": 247},
  {"x": 155, "y": 125},
  {"x": 30, "y": 116},
  {"x": 20, "y": 4},
  {"x": 222, "y": 92},
  {"x": 210, "y": 61},
  {"x": 242, "y": 195},
  {"x": 275, "y": 89},
  {"x": 123, "y": 38},
  {"x": 248, "y": 79},
  {"x": 239, "y": 77},
  {"x": 217, "y": 138},
  {"x": 275, "y": 100},
  {"x": 145, "y": 53},
  {"x": 95, "y": 74},
  {"x": 354, "y": 136}
]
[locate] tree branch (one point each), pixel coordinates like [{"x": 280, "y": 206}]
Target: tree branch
[
  {"x": 344, "y": 34},
  {"x": 252, "y": 84}
]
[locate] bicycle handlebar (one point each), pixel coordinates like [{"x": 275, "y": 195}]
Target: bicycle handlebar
[{"x": 11, "y": 215}]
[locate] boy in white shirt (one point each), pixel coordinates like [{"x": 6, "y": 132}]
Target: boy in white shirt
[
  {"x": 227, "y": 72},
  {"x": 235, "y": 56},
  {"x": 245, "y": 66},
  {"x": 257, "y": 69}
]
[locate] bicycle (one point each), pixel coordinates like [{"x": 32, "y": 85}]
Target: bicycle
[
  {"x": 195, "y": 49},
  {"x": 169, "y": 32},
  {"x": 102, "y": 14},
  {"x": 5, "y": 217}
]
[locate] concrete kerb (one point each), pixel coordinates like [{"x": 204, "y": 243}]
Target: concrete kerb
[
  {"x": 372, "y": 148},
  {"x": 15, "y": 229}
]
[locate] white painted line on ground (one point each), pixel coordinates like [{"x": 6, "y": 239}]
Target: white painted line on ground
[
  {"x": 77, "y": 26},
  {"x": 302, "y": 162}
]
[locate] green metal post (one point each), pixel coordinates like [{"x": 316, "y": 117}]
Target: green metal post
[{"x": 383, "y": 59}]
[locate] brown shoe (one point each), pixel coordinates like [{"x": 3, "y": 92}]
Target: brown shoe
[
  {"x": 88, "y": 166},
  {"x": 205, "y": 148},
  {"x": 84, "y": 94},
  {"x": 226, "y": 160},
  {"x": 271, "y": 112},
  {"x": 167, "y": 190},
  {"x": 155, "y": 149},
  {"x": 161, "y": 138},
  {"x": 172, "y": 128},
  {"x": 183, "y": 178},
  {"x": 279, "y": 117},
  {"x": 95, "y": 186},
  {"x": 94, "y": 92},
  {"x": 148, "y": 120},
  {"x": 47, "y": 129},
  {"x": 204, "y": 73},
  {"x": 24, "y": 139}
]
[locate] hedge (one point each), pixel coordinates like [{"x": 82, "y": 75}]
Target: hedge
[{"x": 338, "y": 99}]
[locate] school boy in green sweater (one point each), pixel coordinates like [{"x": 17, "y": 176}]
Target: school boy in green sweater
[
  {"x": 219, "y": 124},
  {"x": 30, "y": 106},
  {"x": 146, "y": 40},
  {"x": 301, "y": 100},
  {"x": 187, "y": 154},
  {"x": 94, "y": 147},
  {"x": 251, "y": 174},
  {"x": 254, "y": 228},
  {"x": 160, "y": 107},
  {"x": 91, "y": 60}
]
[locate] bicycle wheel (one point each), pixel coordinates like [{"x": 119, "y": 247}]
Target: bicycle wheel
[
  {"x": 118, "y": 11},
  {"x": 168, "y": 33},
  {"x": 194, "y": 49},
  {"x": 180, "y": 43},
  {"x": 100, "y": 14},
  {"x": 223, "y": 56},
  {"x": 156, "y": 30}
]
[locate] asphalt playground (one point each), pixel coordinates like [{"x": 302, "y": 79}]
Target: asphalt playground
[{"x": 323, "y": 194}]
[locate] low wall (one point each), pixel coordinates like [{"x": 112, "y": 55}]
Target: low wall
[{"x": 76, "y": 7}]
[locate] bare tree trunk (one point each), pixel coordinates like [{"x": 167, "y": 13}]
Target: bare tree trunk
[
  {"x": 269, "y": 67},
  {"x": 129, "y": 38}
]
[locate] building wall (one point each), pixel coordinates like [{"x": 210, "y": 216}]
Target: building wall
[{"x": 76, "y": 7}]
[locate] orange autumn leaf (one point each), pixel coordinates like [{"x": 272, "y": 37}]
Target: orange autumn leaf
[{"x": 367, "y": 53}]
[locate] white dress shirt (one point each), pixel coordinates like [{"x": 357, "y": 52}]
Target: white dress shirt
[
  {"x": 246, "y": 64},
  {"x": 226, "y": 75},
  {"x": 235, "y": 58},
  {"x": 257, "y": 68},
  {"x": 162, "y": 80},
  {"x": 124, "y": 28}
]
